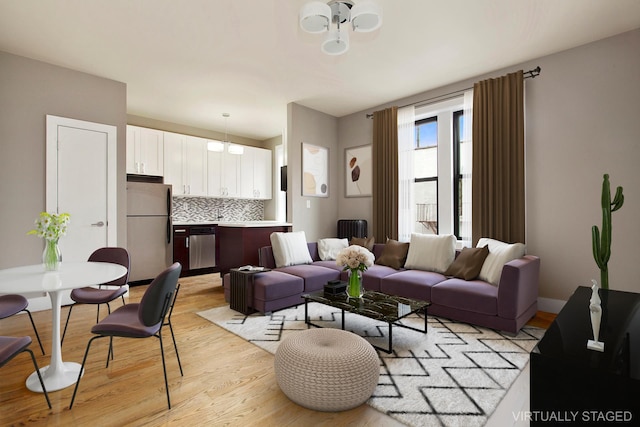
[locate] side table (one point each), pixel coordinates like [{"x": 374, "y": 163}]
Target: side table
[
  {"x": 241, "y": 288},
  {"x": 568, "y": 378}
]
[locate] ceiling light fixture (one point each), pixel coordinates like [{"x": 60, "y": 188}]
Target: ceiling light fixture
[
  {"x": 317, "y": 17},
  {"x": 218, "y": 146}
]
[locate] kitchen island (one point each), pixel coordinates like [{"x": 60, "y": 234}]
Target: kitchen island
[{"x": 237, "y": 243}]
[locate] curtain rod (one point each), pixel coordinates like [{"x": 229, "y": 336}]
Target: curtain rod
[{"x": 526, "y": 74}]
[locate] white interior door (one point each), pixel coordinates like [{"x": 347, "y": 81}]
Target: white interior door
[{"x": 81, "y": 180}]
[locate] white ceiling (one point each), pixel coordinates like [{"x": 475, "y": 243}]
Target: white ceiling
[{"x": 189, "y": 61}]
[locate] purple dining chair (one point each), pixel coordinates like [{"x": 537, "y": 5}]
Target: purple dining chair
[
  {"x": 14, "y": 304},
  {"x": 10, "y": 347},
  {"x": 101, "y": 295},
  {"x": 142, "y": 320}
]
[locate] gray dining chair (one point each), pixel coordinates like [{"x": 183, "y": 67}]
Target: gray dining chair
[
  {"x": 142, "y": 320},
  {"x": 10, "y": 347},
  {"x": 13, "y": 304},
  {"x": 102, "y": 294}
]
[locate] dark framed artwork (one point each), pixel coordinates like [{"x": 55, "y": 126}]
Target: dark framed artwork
[
  {"x": 358, "y": 171},
  {"x": 315, "y": 171}
]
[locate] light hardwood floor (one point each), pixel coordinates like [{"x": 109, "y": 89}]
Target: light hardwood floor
[{"x": 227, "y": 381}]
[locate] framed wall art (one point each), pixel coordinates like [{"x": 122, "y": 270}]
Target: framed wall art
[
  {"x": 358, "y": 171},
  {"x": 315, "y": 171}
]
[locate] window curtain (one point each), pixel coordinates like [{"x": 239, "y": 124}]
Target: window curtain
[
  {"x": 498, "y": 159},
  {"x": 466, "y": 168},
  {"x": 406, "y": 178},
  {"x": 385, "y": 174}
]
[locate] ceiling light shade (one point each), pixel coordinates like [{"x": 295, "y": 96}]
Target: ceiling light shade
[
  {"x": 336, "y": 42},
  {"x": 216, "y": 146},
  {"x": 315, "y": 17},
  {"x": 235, "y": 149},
  {"x": 366, "y": 16}
]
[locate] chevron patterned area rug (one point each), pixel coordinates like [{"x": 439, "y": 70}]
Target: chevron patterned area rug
[{"x": 455, "y": 375}]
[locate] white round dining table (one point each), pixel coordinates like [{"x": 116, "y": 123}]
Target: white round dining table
[{"x": 70, "y": 275}]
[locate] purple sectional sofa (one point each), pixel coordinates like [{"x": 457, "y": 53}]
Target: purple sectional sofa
[{"x": 506, "y": 307}]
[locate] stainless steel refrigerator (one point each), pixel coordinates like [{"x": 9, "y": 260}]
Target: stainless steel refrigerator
[{"x": 149, "y": 240}]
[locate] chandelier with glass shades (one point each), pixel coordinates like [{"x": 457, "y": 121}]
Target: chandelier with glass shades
[{"x": 318, "y": 17}]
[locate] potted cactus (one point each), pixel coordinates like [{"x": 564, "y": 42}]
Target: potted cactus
[{"x": 601, "y": 241}]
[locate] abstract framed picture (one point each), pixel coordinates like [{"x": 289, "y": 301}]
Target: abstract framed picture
[
  {"x": 315, "y": 171},
  {"x": 358, "y": 171}
]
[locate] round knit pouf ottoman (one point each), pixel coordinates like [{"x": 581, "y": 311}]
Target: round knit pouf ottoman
[{"x": 327, "y": 369}]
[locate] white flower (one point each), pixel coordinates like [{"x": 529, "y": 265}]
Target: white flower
[
  {"x": 355, "y": 258},
  {"x": 51, "y": 226}
]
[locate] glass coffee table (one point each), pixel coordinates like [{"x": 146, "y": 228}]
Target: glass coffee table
[{"x": 374, "y": 305}]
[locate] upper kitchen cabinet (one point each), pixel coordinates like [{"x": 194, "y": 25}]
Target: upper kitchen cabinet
[
  {"x": 256, "y": 179},
  {"x": 185, "y": 164},
  {"x": 224, "y": 168},
  {"x": 145, "y": 151}
]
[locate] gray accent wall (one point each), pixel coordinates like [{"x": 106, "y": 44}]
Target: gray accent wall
[
  {"x": 316, "y": 128},
  {"x": 582, "y": 120},
  {"x": 29, "y": 91}
]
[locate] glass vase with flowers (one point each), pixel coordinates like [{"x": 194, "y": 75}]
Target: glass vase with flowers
[
  {"x": 355, "y": 259},
  {"x": 51, "y": 227}
]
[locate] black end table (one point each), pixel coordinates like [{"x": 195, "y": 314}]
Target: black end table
[
  {"x": 241, "y": 289},
  {"x": 589, "y": 386}
]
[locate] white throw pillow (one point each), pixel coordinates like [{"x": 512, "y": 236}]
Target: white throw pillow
[
  {"x": 290, "y": 248},
  {"x": 328, "y": 248},
  {"x": 500, "y": 253},
  {"x": 431, "y": 252}
]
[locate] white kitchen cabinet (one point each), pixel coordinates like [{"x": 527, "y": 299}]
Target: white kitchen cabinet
[
  {"x": 185, "y": 164},
  {"x": 145, "y": 151},
  {"x": 256, "y": 179},
  {"x": 224, "y": 170}
]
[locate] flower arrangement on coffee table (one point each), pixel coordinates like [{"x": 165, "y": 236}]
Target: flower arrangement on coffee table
[{"x": 355, "y": 259}]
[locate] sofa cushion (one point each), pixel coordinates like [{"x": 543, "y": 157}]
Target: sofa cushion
[
  {"x": 314, "y": 276},
  {"x": 328, "y": 248},
  {"x": 500, "y": 253},
  {"x": 328, "y": 264},
  {"x": 475, "y": 296},
  {"x": 394, "y": 254},
  {"x": 273, "y": 285},
  {"x": 411, "y": 283},
  {"x": 431, "y": 252},
  {"x": 365, "y": 242},
  {"x": 468, "y": 264},
  {"x": 290, "y": 248}
]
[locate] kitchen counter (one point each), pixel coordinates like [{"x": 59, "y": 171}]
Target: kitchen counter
[
  {"x": 255, "y": 224},
  {"x": 236, "y": 223}
]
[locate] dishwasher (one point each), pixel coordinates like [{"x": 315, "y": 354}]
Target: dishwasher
[{"x": 202, "y": 247}]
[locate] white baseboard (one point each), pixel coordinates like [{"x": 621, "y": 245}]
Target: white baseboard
[{"x": 550, "y": 305}]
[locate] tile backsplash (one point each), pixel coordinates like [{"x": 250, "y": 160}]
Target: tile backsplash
[{"x": 194, "y": 209}]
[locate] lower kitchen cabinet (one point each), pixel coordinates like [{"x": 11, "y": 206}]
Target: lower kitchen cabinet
[
  {"x": 194, "y": 248},
  {"x": 238, "y": 246}
]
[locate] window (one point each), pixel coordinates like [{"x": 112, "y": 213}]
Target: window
[
  {"x": 440, "y": 176},
  {"x": 461, "y": 177},
  {"x": 426, "y": 176}
]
